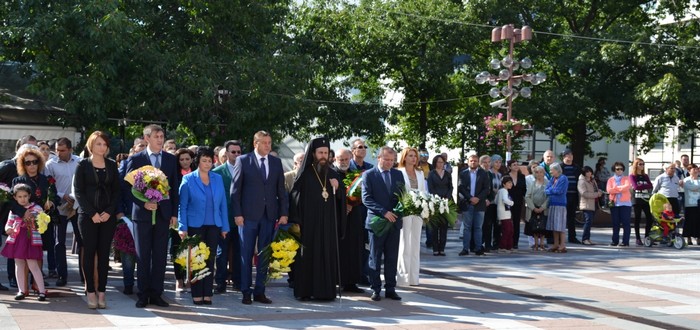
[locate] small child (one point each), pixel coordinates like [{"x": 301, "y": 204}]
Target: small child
[
  {"x": 23, "y": 246},
  {"x": 503, "y": 209},
  {"x": 667, "y": 217}
]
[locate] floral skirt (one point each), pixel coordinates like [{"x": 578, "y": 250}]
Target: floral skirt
[
  {"x": 22, "y": 248},
  {"x": 556, "y": 220}
]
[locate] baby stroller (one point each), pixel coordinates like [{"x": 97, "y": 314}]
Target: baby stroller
[{"x": 656, "y": 204}]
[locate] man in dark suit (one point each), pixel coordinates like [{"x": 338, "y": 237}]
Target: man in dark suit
[
  {"x": 152, "y": 240},
  {"x": 223, "y": 250},
  {"x": 258, "y": 201},
  {"x": 474, "y": 187},
  {"x": 380, "y": 188}
]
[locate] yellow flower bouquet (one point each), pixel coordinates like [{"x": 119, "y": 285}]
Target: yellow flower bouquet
[
  {"x": 193, "y": 255},
  {"x": 281, "y": 252}
]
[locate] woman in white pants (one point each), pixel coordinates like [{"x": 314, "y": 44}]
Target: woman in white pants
[{"x": 409, "y": 246}]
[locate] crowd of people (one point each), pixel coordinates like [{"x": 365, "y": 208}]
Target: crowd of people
[{"x": 235, "y": 202}]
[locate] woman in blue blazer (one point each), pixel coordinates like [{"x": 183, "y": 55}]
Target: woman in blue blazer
[{"x": 203, "y": 212}]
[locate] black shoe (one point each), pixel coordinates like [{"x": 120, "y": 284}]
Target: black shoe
[
  {"x": 220, "y": 288},
  {"x": 574, "y": 241},
  {"x": 207, "y": 302},
  {"x": 352, "y": 288},
  {"x": 262, "y": 299},
  {"x": 129, "y": 289},
  {"x": 480, "y": 252},
  {"x": 304, "y": 298},
  {"x": 246, "y": 299},
  {"x": 42, "y": 297},
  {"x": 3, "y": 288},
  {"x": 141, "y": 303},
  {"x": 376, "y": 296},
  {"x": 613, "y": 244},
  {"x": 392, "y": 296},
  {"x": 61, "y": 281},
  {"x": 463, "y": 253},
  {"x": 158, "y": 301},
  {"x": 198, "y": 302}
]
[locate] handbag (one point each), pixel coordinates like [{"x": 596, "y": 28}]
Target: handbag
[
  {"x": 538, "y": 221},
  {"x": 611, "y": 202}
]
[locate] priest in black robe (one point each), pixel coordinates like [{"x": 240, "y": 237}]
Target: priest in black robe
[{"x": 318, "y": 206}]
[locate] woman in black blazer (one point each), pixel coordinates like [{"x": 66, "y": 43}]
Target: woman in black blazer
[{"x": 97, "y": 187}]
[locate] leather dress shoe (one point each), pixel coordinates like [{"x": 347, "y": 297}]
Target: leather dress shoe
[
  {"x": 464, "y": 252},
  {"x": 129, "y": 289},
  {"x": 158, "y": 301},
  {"x": 376, "y": 296},
  {"x": 220, "y": 289},
  {"x": 61, "y": 281},
  {"x": 392, "y": 296},
  {"x": 262, "y": 299},
  {"x": 246, "y": 299},
  {"x": 141, "y": 303},
  {"x": 353, "y": 288}
]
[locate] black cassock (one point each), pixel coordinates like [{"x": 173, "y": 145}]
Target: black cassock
[{"x": 316, "y": 263}]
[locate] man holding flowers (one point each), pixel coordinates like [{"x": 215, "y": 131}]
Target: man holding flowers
[
  {"x": 381, "y": 187},
  {"x": 152, "y": 236}
]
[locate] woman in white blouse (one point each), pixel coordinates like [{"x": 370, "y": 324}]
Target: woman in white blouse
[{"x": 409, "y": 246}]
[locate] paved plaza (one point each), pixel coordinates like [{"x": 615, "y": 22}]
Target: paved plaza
[{"x": 590, "y": 287}]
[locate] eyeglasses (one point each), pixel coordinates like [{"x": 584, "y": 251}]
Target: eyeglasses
[
  {"x": 31, "y": 162},
  {"x": 361, "y": 147},
  {"x": 619, "y": 169},
  {"x": 236, "y": 152}
]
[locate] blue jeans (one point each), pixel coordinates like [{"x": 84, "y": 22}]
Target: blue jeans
[
  {"x": 128, "y": 266},
  {"x": 473, "y": 221},
  {"x": 588, "y": 215},
  {"x": 621, "y": 217}
]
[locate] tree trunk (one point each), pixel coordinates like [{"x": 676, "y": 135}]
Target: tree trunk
[
  {"x": 578, "y": 143},
  {"x": 423, "y": 121}
]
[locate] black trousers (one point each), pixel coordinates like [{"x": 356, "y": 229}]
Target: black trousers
[
  {"x": 491, "y": 231},
  {"x": 97, "y": 240},
  {"x": 210, "y": 236},
  {"x": 639, "y": 206},
  {"x": 571, "y": 207}
]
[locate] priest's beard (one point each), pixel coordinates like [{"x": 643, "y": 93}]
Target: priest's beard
[{"x": 321, "y": 165}]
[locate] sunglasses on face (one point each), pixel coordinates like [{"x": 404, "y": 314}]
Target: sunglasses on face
[
  {"x": 424, "y": 155},
  {"x": 236, "y": 152},
  {"x": 619, "y": 169},
  {"x": 31, "y": 162},
  {"x": 361, "y": 147}
]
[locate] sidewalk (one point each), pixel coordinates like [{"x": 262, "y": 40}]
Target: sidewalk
[{"x": 592, "y": 287}]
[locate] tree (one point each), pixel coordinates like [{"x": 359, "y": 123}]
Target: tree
[{"x": 591, "y": 80}]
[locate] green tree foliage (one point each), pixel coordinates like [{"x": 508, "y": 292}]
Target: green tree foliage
[
  {"x": 592, "y": 81},
  {"x": 166, "y": 61}
]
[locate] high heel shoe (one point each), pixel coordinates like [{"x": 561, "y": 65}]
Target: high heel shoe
[
  {"x": 101, "y": 301},
  {"x": 92, "y": 300}
]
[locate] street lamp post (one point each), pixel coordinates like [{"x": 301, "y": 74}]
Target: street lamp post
[{"x": 510, "y": 90}]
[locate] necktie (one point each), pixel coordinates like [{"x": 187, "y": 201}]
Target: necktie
[
  {"x": 387, "y": 180},
  {"x": 263, "y": 169},
  {"x": 157, "y": 163}
]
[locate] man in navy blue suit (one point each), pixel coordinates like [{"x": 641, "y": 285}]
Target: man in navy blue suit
[
  {"x": 258, "y": 201},
  {"x": 380, "y": 188},
  {"x": 152, "y": 240}
]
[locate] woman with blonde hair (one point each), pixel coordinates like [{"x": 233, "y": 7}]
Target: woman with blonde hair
[
  {"x": 409, "y": 246},
  {"x": 641, "y": 183}
]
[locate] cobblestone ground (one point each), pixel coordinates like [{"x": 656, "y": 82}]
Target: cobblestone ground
[{"x": 591, "y": 287}]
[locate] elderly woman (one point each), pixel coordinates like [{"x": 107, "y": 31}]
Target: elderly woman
[
  {"x": 537, "y": 202},
  {"x": 621, "y": 204},
  {"x": 556, "y": 221},
  {"x": 409, "y": 246},
  {"x": 691, "y": 185},
  {"x": 667, "y": 184},
  {"x": 589, "y": 193},
  {"x": 203, "y": 212},
  {"x": 440, "y": 183}
]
